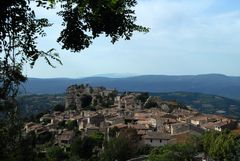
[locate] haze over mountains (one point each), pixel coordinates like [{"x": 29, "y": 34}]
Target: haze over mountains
[{"x": 216, "y": 84}]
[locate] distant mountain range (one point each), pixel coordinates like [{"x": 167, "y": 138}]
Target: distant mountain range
[
  {"x": 116, "y": 75},
  {"x": 215, "y": 84}
]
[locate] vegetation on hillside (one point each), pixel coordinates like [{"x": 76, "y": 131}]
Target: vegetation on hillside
[
  {"x": 210, "y": 104},
  {"x": 219, "y": 146},
  {"x": 35, "y": 104}
]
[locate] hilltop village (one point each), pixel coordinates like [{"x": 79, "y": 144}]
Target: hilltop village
[{"x": 96, "y": 109}]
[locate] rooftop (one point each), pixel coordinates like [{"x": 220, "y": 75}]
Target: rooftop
[{"x": 156, "y": 135}]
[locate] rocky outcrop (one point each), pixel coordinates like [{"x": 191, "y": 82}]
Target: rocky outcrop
[
  {"x": 73, "y": 94},
  {"x": 166, "y": 106},
  {"x": 80, "y": 96}
]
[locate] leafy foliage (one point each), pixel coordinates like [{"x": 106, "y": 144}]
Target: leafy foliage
[
  {"x": 85, "y": 100},
  {"x": 87, "y": 19},
  {"x": 181, "y": 152},
  {"x": 14, "y": 146},
  {"x": 113, "y": 132},
  {"x": 87, "y": 147},
  {"x": 83, "y": 21},
  {"x": 59, "y": 107},
  {"x": 19, "y": 30},
  {"x": 116, "y": 149},
  {"x": 56, "y": 154},
  {"x": 150, "y": 104},
  {"x": 71, "y": 125},
  {"x": 143, "y": 97},
  {"x": 221, "y": 146},
  {"x": 32, "y": 105}
]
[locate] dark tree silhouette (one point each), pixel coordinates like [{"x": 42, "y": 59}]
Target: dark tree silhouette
[
  {"x": 19, "y": 30},
  {"x": 83, "y": 21}
]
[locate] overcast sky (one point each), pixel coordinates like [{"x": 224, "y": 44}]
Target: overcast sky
[{"x": 186, "y": 37}]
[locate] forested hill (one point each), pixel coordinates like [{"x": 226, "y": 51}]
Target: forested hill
[
  {"x": 34, "y": 104},
  {"x": 209, "y": 104},
  {"x": 215, "y": 84}
]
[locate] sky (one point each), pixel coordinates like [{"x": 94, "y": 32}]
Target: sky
[{"x": 187, "y": 37}]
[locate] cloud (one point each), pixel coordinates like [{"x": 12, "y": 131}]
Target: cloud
[
  {"x": 186, "y": 23},
  {"x": 155, "y": 13}
]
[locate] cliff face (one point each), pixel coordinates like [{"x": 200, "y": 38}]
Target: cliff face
[
  {"x": 85, "y": 96},
  {"x": 81, "y": 96},
  {"x": 166, "y": 106},
  {"x": 73, "y": 96}
]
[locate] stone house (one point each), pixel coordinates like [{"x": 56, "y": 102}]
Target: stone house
[
  {"x": 156, "y": 139},
  {"x": 208, "y": 126},
  {"x": 29, "y": 126},
  {"x": 108, "y": 92},
  {"x": 147, "y": 121},
  {"x": 222, "y": 125},
  {"x": 179, "y": 128},
  {"x": 199, "y": 120},
  {"x": 140, "y": 128},
  {"x": 115, "y": 120},
  {"x": 90, "y": 129},
  {"x": 65, "y": 138},
  {"x": 82, "y": 124},
  {"x": 184, "y": 115},
  {"x": 34, "y": 127},
  {"x": 164, "y": 124},
  {"x": 129, "y": 101},
  {"x": 77, "y": 118},
  {"x": 46, "y": 118},
  {"x": 96, "y": 119}
]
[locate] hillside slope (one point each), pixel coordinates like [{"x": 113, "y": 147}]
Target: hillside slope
[
  {"x": 34, "y": 104},
  {"x": 210, "y": 104},
  {"x": 210, "y": 84}
]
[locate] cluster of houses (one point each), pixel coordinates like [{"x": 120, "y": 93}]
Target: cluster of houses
[{"x": 168, "y": 123}]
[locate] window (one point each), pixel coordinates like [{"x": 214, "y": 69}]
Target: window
[
  {"x": 160, "y": 140},
  {"x": 151, "y": 140}
]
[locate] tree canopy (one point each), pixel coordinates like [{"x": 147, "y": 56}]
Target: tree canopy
[
  {"x": 181, "y": 152},
  {"x": 218, "y": 146},
  {"x": 88, "y": 146},
  {"x": 222, "y": 146},
  {"x": 83, "y": 21},
  {"x": 117, "y": 149}
]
